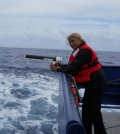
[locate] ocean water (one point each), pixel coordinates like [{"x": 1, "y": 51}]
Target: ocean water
[{"x": 29, "y": 90}]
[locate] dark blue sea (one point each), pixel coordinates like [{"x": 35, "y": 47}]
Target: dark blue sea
[{"x": 29, "y": 90}]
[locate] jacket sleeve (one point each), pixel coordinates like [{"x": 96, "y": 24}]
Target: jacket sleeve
[{"x": 84, "y": 57}]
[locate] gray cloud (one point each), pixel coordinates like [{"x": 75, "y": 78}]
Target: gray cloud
[
  {"x": 46, "y": 24},
  {"x": 97, "y": 42}
]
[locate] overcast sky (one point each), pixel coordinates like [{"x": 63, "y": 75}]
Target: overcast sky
[{"x": 47, "y": 23}]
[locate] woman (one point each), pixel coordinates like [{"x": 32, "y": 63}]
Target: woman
[{"x": 87, "y": 71}]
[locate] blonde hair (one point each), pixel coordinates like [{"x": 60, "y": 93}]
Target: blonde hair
[{"x": 76, "y": 35}]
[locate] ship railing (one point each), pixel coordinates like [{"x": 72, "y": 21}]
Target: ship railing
[{"x": 69, "y": 118}]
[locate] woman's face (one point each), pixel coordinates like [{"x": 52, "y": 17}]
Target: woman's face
[{"x": 74, "y": 43}]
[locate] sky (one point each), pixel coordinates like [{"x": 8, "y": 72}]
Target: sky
[{"x": 45, "y": 24}]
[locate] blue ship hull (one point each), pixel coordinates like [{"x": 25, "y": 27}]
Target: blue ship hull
[
  {"x": 111, "y": 95},
  {"x": 69, "y": 118}
]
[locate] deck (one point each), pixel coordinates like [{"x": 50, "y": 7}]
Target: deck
[{"x": 111, "y": 122}]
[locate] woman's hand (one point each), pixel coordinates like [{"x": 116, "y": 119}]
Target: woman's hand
[
  {"x": 58, "y": 65},
  {"x": 53, "y": 67}
]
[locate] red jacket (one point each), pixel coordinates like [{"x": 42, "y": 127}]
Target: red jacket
[{"x": 84, "y": 74}]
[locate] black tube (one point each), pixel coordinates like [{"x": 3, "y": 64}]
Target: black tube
[{"x": 40, "y": 57}]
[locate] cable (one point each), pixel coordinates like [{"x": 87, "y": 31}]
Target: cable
[
  {"x": 112, "y": 127},
  {"x": 113, "y": 80}
]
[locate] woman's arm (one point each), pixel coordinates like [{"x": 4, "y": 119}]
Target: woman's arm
[{"x": 84, "y": 57}]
